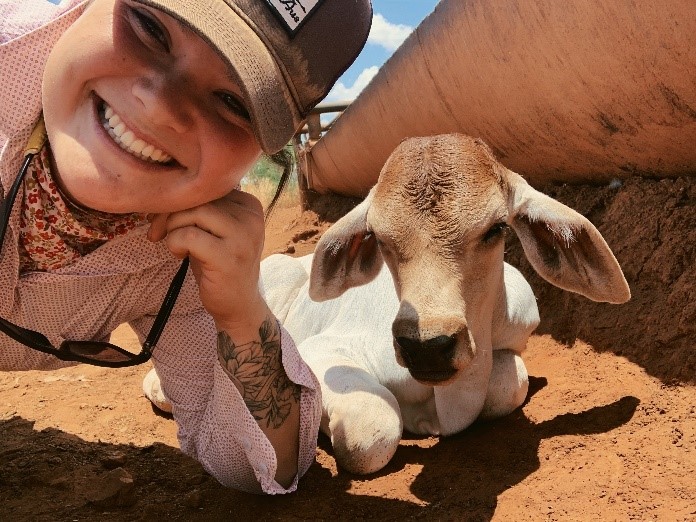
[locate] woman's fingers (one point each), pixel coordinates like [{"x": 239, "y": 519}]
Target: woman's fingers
[
  {"x": 158, "y": 227},
  {"x": 225, "y": 235},
  {"x": 216, "y": 218},
  {"x": 224, "y": 240},
  {"x": 195, "y": 242}
]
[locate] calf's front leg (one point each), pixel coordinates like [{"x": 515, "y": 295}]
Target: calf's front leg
[
  {"x": 514, "y": 320},
  {"x": 361, "y": 417},
  {"x": 507, "y": 386}
]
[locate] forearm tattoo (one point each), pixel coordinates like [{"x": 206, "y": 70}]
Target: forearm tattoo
[{"x": 256, "y": 369}]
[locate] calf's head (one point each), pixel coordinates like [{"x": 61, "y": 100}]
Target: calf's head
[{"x": 437, "y": 217}]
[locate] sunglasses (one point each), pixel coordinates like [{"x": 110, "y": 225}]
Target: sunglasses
[{"x": 97, "y": 353}]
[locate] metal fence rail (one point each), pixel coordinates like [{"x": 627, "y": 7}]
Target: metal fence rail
[{"x": 314, "y": 127}]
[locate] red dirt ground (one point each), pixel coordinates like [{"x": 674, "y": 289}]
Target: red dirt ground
[{"x": 608, "y": 431}]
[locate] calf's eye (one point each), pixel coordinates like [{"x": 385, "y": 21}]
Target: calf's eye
[{"x": 496, "y": 231}]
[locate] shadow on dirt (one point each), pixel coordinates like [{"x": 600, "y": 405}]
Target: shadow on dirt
[
  {"x": 464, "y": 474},
  {"x": 497, "y": 455},
  {"x": 52, "y": 475}
]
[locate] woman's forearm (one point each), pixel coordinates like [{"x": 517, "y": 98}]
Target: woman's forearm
[{"x": 253, "y": 361}]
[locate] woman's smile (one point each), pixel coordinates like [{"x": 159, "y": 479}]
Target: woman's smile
[
  {"x": 126, "y": 138},
  {"x": 120, "y": 134}
]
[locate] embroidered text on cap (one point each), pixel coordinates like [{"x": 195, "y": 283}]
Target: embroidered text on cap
[{"x": 293, "y": 13}]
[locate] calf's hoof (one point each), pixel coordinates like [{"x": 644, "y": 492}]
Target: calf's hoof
[
  {"x": 508, "y": 385},
  {"x": 153, "y": 391},
  {"x": 365, "y": 443}
]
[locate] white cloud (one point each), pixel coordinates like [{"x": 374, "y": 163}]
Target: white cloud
[
  {"x": 388, "y": 35},
  {"x": 342, "y": 92}
]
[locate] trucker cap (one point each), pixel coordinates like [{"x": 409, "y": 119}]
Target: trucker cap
[{"x": 286, "y": 54}]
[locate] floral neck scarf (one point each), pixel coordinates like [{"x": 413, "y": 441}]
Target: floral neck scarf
[{"x": 54, "y": 232}]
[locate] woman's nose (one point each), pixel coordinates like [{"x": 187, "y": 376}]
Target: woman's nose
[{"x": 163, "y": 103}]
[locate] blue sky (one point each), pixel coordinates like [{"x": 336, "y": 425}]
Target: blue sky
[{"x": 393, "y": 21}]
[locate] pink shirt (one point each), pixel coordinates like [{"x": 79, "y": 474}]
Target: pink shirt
[{"x": 125, "y": 281}]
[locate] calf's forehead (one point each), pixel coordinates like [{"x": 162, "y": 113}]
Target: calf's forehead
[{"x": 441, "y": 185}]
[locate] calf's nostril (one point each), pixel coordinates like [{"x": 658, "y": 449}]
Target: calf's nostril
[
  {"x": 441, "y": 346},
  {"x": 408, "y": 344}
]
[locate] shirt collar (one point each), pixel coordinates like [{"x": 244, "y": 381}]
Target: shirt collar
[{"x": 21, "y": 70}]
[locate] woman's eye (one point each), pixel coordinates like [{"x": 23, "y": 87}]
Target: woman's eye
[
  {"x": 150, "y": 26},
  {"x": 496, "y": 231},
  {"x": 234, "y": 105}
]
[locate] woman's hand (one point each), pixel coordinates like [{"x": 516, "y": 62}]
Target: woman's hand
[{"x": 224, "y": 241}]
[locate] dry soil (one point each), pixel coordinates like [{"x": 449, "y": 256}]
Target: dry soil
[{"x": 608, "y": 431}]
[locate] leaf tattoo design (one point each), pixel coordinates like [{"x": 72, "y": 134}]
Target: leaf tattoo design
[{"x": 256, "y": 369}]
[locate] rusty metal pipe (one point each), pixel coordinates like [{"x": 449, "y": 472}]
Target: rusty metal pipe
[{"x": 574, "y": 91}]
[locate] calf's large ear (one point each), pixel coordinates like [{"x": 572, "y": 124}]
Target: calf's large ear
[
  {"x": 347, "y": 255},
  {"x": 563, "y": 246}
]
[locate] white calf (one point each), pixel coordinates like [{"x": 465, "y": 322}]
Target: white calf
[{"x": 433, "y": 343}]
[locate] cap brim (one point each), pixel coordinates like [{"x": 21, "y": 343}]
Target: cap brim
[{"x": 274, "y": 115}]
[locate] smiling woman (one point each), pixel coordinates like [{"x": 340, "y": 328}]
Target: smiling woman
[
  {"x": 162, "y": 83},
  {"x": 154, "y": 110}
]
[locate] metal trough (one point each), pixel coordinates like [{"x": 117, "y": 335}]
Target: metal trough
[{"x": 562, "y": 90}]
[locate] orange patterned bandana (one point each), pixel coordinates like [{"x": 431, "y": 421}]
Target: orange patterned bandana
[{"x": 54, "y": 231}]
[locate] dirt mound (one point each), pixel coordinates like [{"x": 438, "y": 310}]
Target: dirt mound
[{"x": 651, "y": 227}]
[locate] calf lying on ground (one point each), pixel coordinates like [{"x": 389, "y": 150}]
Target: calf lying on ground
[{"x": 434, "y": 342}]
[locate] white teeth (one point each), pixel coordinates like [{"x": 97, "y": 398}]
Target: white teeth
[
  {"x": 125, "y": 138},
  {"x": 137, "y": 146},
  {"x": 119, "y": 129}
]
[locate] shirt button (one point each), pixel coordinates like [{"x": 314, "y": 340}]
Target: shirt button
[
  {"x": 262, "y": 469},
  {"x": 246, "y": 444}
]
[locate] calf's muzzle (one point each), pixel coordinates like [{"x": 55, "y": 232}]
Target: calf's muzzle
[{"x": 430, "y": 360}]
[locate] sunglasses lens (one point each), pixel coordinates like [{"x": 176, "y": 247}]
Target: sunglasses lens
[{"x": 102, "y": 352}]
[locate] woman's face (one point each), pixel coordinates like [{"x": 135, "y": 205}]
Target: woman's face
[{"x": 142, "y": 115}]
